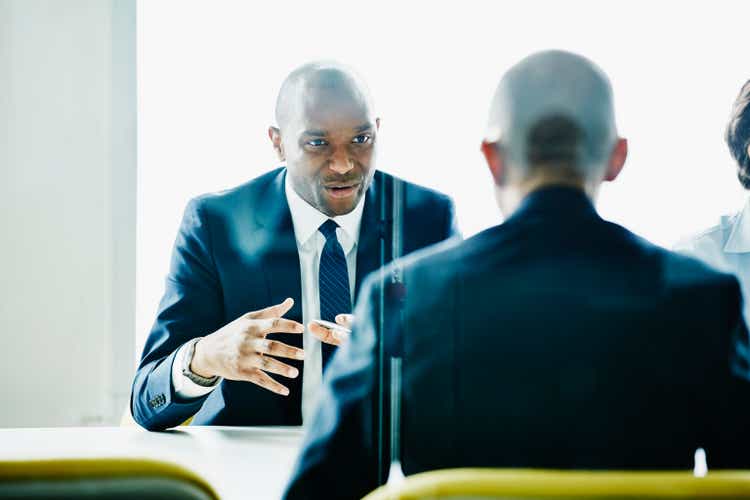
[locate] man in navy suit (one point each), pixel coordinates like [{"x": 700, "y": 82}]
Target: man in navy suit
[
  {"x": 253, "y": 264},
  {"x": 554, "y": 340}
]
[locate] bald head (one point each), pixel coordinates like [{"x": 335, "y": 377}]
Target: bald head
[
  {"x": 321, "y": 86},
  {"x": 554, "y": 109},
  {"x": 326, "y": 135}
]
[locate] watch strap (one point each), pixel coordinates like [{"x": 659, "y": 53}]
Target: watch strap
[{"x": 194, "y": 377}]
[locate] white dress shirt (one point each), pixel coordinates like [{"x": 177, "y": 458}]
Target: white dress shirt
[
  {"x": 726, "y": 247},
  {"x": 306, "y": 220}
]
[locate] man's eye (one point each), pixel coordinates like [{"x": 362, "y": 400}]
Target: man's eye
[
  {"x": 316, "y": 143},
  {"x": 361, "y": 139}
]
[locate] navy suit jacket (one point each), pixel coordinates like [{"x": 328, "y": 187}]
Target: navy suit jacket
[
  {"x": 236, "y": 252},
  {"x": 555, "y": 340}
]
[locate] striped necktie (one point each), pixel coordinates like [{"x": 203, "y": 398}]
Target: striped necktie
[{"x": 333, "y": 282}]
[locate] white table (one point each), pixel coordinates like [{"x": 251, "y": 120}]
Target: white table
[{"x": 239, "y": 462}]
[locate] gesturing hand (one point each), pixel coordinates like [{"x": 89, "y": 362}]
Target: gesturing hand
[{"x": 240, "y": 349}]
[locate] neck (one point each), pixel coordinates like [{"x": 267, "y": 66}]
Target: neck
[{"x": 510, "y": 196}]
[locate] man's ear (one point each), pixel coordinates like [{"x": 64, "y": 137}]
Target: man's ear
[
  {"x": 617, "y": 160},
  {"x": 377, "y": 123},
  {"x": 495, "y": 161},
  {"x": 275, "y": 135}
]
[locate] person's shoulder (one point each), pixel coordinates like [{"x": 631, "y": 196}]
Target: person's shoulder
[
  {"x": 683, "y": 269},
  {"x": 418, "y": 195},
  {"x": 711, "y": 290},
  {"x": 676, "y": 270},
  {"x": 450, "y": 256},
  {"x": 437, "y": 257},
  {"x": 443, "y": 262},
  {"x": 246, "y": 193}
]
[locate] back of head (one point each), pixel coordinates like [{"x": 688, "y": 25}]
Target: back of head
[{"x": 554, "y": 110}]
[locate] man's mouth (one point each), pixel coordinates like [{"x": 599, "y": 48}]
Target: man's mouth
[{"x": 342, "y": 190}]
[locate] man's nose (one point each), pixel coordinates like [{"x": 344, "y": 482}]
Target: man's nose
[{"x": 341, "y": 162}]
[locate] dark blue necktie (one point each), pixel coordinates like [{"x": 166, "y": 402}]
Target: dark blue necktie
[{"x": 333, "y": 282}]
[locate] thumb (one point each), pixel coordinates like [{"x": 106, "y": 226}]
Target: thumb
[{"x": 345, "y": 320}]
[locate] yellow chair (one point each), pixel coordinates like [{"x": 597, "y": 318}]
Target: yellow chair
[
  {"x": 110, "y": 478},
  {"x": 540, "y": 484}
]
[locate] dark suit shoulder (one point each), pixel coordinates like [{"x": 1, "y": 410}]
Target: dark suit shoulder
[
  {"x": 435, "y": 261},
  {"x": 700, "y": 290},
  {"x": 417, "y": 195},
  {"x": 676, "y": 271},
  {"x": 429, "y": 215},
  {"x": 670, "y": 270},
  {"x": 684, "y": 271},
  {"x": 246, "y": 193},
  {"x": 450, "y": 255}
]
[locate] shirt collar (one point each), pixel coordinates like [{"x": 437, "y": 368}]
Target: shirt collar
[
  {"x": 739, "y": 238},
  {"x": 307, "y": 219}
]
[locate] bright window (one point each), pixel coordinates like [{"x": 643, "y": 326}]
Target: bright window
[{"x": 209, "y": 73}]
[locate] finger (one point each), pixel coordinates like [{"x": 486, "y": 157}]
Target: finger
[
  {"x": 278, "y": 349},
  {"x": 275, "y": 311},
  {"x": 322, "y": 333},
  {"x": 271, "y": 365},
  {"x": 278, "y": 325},
  {"x": 345, "y": 320},
  {"x": 265, "y": 381},
  {"x": 329, "y": 336},
  {"x": 341, "y": 336}
]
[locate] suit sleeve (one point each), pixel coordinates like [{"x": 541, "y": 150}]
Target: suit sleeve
[
  {"x": 191, "y": 307},
  {"x": 338, "y": 458}
]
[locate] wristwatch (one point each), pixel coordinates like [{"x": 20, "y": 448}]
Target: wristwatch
[{"x": 187, "y": 359}]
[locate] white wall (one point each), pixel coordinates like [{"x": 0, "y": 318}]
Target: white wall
[
  {"x": 209, "y": 73},
  {"x": 67, "y": 210}
]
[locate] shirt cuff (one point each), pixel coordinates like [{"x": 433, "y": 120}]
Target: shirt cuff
[{"x": 183, "y": 386}]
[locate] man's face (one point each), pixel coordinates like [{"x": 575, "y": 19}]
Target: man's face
[{"x": 329, "y": 147}]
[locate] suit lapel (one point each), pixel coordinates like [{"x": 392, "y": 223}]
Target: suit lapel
[
  {"x": 280, "y": 266},
  {"x": 280, "y": 260}
]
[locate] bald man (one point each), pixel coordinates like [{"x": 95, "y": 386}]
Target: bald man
[
  {"x": 553, "y": 340},
  {"x": 234, "y": 341}
]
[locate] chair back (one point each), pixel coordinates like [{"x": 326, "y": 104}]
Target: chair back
[
  {"x": 109, "y": 478},
  {"x": 538, "y": 484}
]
